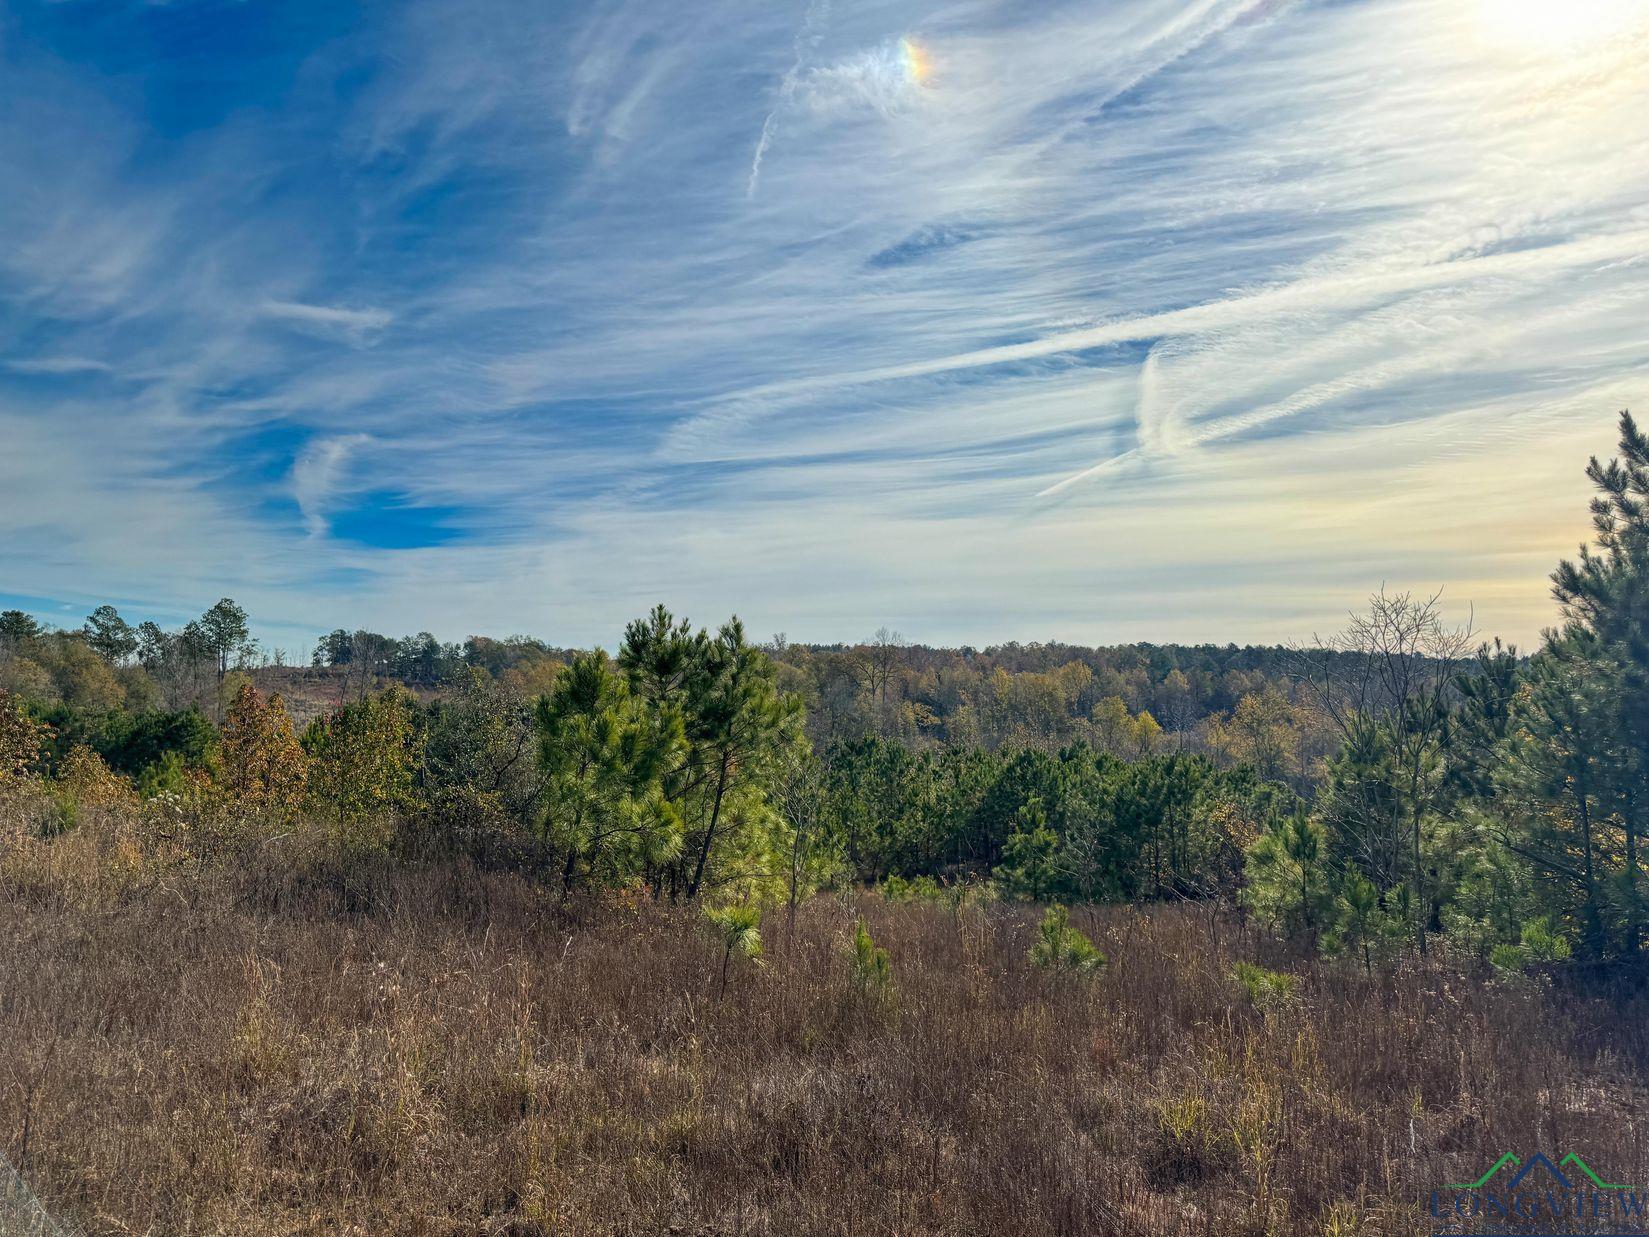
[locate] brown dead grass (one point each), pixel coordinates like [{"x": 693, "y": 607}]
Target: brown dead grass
[{"x": 307, "y": 1047}]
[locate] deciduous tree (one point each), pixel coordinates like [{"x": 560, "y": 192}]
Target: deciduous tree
[
  {"x": 362, "y": 760},
  {"x": 110, "y": 636},
  {"x": 262, "y": 770},
  {"x": 22, "y": 739}
]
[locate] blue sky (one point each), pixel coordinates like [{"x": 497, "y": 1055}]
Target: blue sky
[{"x": 985, "y": 321}]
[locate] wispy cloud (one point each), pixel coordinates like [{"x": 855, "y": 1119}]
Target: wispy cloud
[
  {"x": 316, "y": 475},
  {"x": 807, "y": 41},
  {"x": 753, "y": 307},
  {"x": 57, "y": 365},
  {"x": 355, "y": 324}
]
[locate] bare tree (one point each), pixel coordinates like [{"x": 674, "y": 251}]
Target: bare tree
[
  {"x": 884, "y": 654},
  {"x": 1387, "y": 683}
]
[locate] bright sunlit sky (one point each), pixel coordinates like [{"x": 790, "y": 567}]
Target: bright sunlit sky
[{"x": 1097, "y": 321}]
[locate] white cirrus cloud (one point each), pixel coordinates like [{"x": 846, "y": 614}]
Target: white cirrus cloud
[
  {"x": 318, "y": 474},
  {"x": 354, "y": 324},
  {"x": 1153, "y": 318},
  {"x": 57, "y": 365}
]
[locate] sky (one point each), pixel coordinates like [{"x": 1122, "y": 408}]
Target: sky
[{"x": 1101, "y": 321}]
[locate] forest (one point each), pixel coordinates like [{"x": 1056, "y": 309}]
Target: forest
[{"x": 863, "y": 921}]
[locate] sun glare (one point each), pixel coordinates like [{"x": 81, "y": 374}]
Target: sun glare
[{"x": 1558, "y": 26}]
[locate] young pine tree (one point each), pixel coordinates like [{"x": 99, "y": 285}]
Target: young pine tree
[
  {"x": 1288, "y": 880},
  {"x": 872, "y": 969},
  {"x": 1360, "y": 922},
  {"x": 739, "y": 731},
  {"x": 604, "y": 753},
  {"x": 1565, "y": 781},
  {"x": 738, "y": 930},
  {"x": 1060, "y": 947}
]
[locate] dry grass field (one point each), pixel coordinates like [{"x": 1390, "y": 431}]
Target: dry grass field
[{"x": 291, "y": 1043}]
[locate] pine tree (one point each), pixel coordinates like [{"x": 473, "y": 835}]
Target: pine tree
[
  {"x": 872, "y": 970},
  {"x": 1605, "y": 591},
  {"x": 1480, "y": 725},
  {"x": 17, "y": 629},
  {"x": 738, "y": 931},
  {"x": 1561, "y": 779},
  {"x": 109, "y": 635},
  {"x": 1060, "y": 947},
  {"x": 605, "y": 753},
  {"x": 1288, "y": 880},
  {"x": 1388, "y": 684},
  {"x": 225, "y": 633},
  {"x": 738, "y": 728},
  {"x": 1360, "y": 920},
  {"x": 740, "y": 725},
  {"x": 1031, "y": 866}
]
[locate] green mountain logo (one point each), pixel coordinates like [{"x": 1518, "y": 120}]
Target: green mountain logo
[{"x": 1579, "y": 1171}]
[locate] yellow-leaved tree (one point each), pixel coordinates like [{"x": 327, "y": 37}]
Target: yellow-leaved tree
[
  {"x": 262, "y": 770},
  {"x": 21, "y": 740}
]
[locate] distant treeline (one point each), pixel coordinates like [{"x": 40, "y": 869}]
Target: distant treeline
[
  {"x": 1237, "y": 705},
  {"x": 1397, "y": 784}
]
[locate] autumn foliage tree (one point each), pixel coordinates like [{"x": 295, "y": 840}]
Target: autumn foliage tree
[
  {"x": 21, "y": 739},
  {"x": 262, "y": 770},
  {"x": 88, "y": 777}
]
